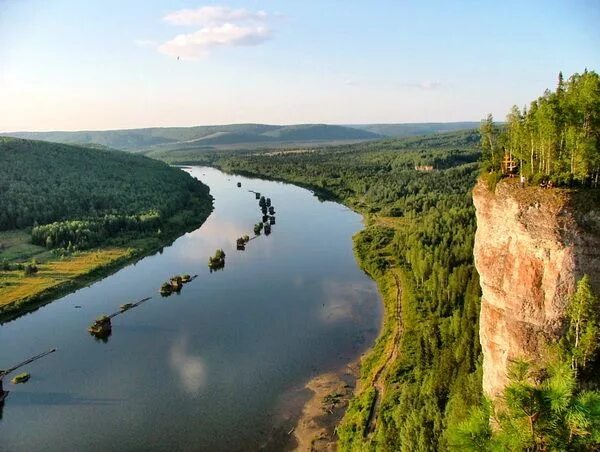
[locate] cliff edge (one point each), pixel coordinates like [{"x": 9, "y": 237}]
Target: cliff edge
[{"x": 531, "y": 247}]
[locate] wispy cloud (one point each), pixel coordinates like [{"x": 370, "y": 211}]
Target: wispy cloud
[
  {"x": 429, "y": 84},
  {"x": 214, "y": 15},
  {"x": 425, "y": 85},
  {"x": 220, "y": 26},
  {"x": 145, "y": 43}
]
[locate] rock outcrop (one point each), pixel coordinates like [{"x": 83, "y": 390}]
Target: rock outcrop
[{"x": 531, "y": 247}]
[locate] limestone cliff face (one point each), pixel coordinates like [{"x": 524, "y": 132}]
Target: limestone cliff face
[{"x": 531, "y": 247}]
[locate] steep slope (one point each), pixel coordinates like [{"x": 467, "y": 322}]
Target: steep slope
[{"x": 531, "y": 246}]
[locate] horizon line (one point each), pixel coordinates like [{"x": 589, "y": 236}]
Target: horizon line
[{"x": 241, "y": 124}]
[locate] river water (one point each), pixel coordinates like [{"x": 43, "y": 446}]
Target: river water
[{"x": 206, "y": 369}]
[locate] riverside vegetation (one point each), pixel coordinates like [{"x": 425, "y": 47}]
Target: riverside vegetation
[
  {"x": 70, "y": 214},
  {"x": 418, "y": 238},
  {"x": 420, "y": 385}
]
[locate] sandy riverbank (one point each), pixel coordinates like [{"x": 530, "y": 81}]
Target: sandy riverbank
[{"x": 322, "y": 412}]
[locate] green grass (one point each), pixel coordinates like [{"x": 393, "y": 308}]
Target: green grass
[
  {"x": 16, "y": 246},
  {"x": 59, "y": 275},
  {"x": 16, "y": 289}
]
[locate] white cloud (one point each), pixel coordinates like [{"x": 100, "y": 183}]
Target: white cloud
[
  {"x": 199, "y": 43},
  {"x": 220, "y": 26},
  {"x": 213, "y": 15}
]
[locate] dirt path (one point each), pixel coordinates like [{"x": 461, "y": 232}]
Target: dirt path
[{"x": 378, "y": 380}]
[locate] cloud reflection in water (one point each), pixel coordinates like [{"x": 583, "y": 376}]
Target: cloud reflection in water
[
  {"x": 203, "y": 242},
  {"x": 346, "y": 301},
  {"x": 190, "y": 368}
]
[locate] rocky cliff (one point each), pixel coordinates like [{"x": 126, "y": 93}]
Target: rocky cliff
[{"x": 531, "y": 247}]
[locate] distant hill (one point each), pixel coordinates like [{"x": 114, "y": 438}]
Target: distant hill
[
  {"x": 164, "y": 140},
  {"x": 413, "y": 129},
  {"x": 211, "y": 137}
]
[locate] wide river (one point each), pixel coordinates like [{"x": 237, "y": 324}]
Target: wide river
[{"x": 212, "y": 367}]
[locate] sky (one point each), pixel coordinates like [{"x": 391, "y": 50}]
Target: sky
[{"x": 78, "y": 65}]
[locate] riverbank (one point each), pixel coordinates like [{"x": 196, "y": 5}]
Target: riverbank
[
  {"x": 57, "y": 276},
  {"x": 330, "y": 394},
  {"x": 422, "y": 373},
  {"x": 359, "y": 385}
]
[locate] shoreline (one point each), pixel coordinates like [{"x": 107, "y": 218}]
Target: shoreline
[
  {"x": 26, "y": 305},
  {"x": 330, "y": 395},
  {"x": 313, "y": 427},
  {"x": 316, "y": 428}
]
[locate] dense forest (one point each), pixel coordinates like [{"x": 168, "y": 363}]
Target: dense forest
[
  {"x": 556, "y": 139},
  {"x": 420, "y": 229},
  {"x": 78, "y": 197}
]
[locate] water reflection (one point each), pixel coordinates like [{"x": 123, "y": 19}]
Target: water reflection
[
  {"x": 24, "y": 398},
  {"x": 291, "y": 305},
  {"x": 345, "y": 301},
  {"x": 3, "y": 396},
  {"x": 189, "y": 368}
]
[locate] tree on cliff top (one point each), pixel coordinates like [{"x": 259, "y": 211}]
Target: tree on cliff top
[{"x": 557, "y": 138}]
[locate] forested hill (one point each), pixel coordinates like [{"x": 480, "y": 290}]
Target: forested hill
[
  {"x": 240, "y": 136},
  {"x": 44, "y": 182},
  {"x": 211, "y": 137}
]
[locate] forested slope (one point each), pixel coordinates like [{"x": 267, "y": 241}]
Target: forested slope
[
  {"x": 44, "y": 182},
  {"x": 412, "y": 129},
  {"x": 417, "y": 244},
  {"x": 70, "y": 214}
]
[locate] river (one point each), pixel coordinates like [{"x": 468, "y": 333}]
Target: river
[{"x": 209, "y": 368}]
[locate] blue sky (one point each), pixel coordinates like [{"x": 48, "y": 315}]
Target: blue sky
[{"x": 71, "y": 65}]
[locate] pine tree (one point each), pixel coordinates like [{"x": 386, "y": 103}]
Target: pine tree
[
  {"x": 584, "y": 324},
  {"x": 489, "y": 142}
]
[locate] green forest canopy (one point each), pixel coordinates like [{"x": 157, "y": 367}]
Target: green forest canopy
[
  {"x": 43, "y": 182},
  {"x": 557, "y": 138}
]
